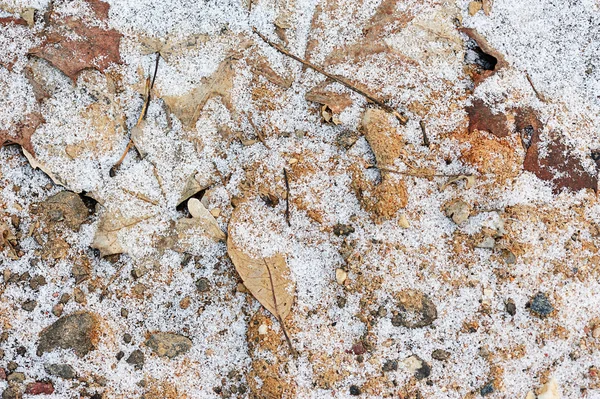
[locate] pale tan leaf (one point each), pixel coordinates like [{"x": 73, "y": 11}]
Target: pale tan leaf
[
  {"x": 201, "y": 219},
  {"x": 187, "y": 107},
  {"x": 266, "y": 278},
  {"x": 469, "y": 181},
  {"x": 35, "y": 164},
  {"x": 194, "y": 184}
]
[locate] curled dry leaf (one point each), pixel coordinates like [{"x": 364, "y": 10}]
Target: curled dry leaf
[
  {"x": 337, "y": 102},
  {"x": 469, "y": 181},
  {"x": 72, "y": 44},
  {"x": 35, "y": 164},
  {"x": 201, "y": 219},
  {"x": 21, "y": 132},
  {"x": 193, "y": 185}
]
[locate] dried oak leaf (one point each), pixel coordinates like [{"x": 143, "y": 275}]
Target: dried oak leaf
[
  {"x": 267, "y": 279},
  {"x": 559, "y": 165},
  {"x": 481, "y": 117},
  {"x": 21, "y": 132},
  {"x": 187, "y": 107},
  {"x": 73, "y": 44}
]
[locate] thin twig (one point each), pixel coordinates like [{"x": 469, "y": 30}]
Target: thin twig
[
  {"x": 287, "y": 197},
  {"x": 537, "y": 93},
  {"x": 278, "y": 315},
  {"x": 411, "y": 173},
  {"x": 402, "y": 118},
  {"x": 425, "y": 138},
  {"x": 143, "y": 113}
]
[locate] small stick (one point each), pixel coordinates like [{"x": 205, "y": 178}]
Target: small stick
[
  {"x": 287, "y": 197},
  {"x": 149, "y": 87},
  {"x": 414, "y": 174},
  {"x": 537, "y": 93},
  {"x": 278, "y": 316},
  {"x": 425, "y": 138},
  {"x": 402, "y": 118}
]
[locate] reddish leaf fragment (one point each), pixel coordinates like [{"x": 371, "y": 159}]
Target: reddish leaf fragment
[
  {"x": 2, "y": 374},
  {"x": 480, "y": 75},
  {"x": 482, "y": 118},
  {"x": 72, "y": 45},
  {"x": 21, "y": 133},
  {"x": 560, "y": 166},
  {"x": 39, "y": 388},
  {"x": 9, "y": 20}
]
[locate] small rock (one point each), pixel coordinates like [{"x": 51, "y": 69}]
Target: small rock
[
  {"x": 127, "y": 338},
  {"x": 355, "y": 390},
  {"x": 36, "y": 282},
  {"x": 60, "y": 370},
  {"x": 81, "y": 271},
  {"x": 39, "y": 388},
  {"x": 77, "y": 331},
  {"x": 124, "y": 312},
  {"x": 12, "y": 393},
  {"x": 29, "y": 305},
  {"x": 509, "y": 257},
  {"x": 596, "y": 332},
  {"x": 440, "y": 354},
  {"x": 120, "y": 355},
  {"x": 57, "y": 309},
  {"x": 511, "y": 308},
  {"x": 415, "y": 310},
  {"x": 66, "y": 207},
  {"x": 419, "y": 367},
  {"x": 390, "y": 365},
  {"x": 458, "y": 210},
  {"x": 136, "y": 358},
  {"x": 540, "y": 305},
  {"x": 79, "y": 296},
  {"x": 185, "y": 302},
  {"x": 342, "y": 229},
  {"x": 403, "y": 222},
  {"x": 359, "y": 349},
  {"x": 168, "y": 344},
  {"x": 486, "y": 243},
  {"x": 12, "y": 366},
  {"x": 64, "y": 298},
  {"x": 341, "y": 301},
  {"x": 340, "y": 276},
  {"x": 347, "y": 138},
  {"x": 263, "y": 329},
  {"x": 549, "y": 390},
  {"x": 16, "y": 377},
  {"x": 202, "y": 284},
  {"x": 487, "y": 389},
  {"x": 475, "y": 7}
]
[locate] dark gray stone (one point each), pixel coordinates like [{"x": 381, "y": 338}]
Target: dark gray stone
[
  {"x": 75, "y": 331},
  {"x": 60, "y": 370}
]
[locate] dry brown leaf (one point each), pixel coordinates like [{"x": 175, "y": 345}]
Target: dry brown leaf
[
  {"x": 260, "y": 66},
  {"x": 266, "y": 278},
  {"x": 194, "y": 184},
  {"x": 21, "y": 132},
  {"x": 337, "y": 102},
  {"x": 72, "y": 44},
  {"x": 188, "y": 106},
  {"x": 35, "y": 164}
]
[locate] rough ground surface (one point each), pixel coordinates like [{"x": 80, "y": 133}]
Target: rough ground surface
[{"x": 116, "y": 282}]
